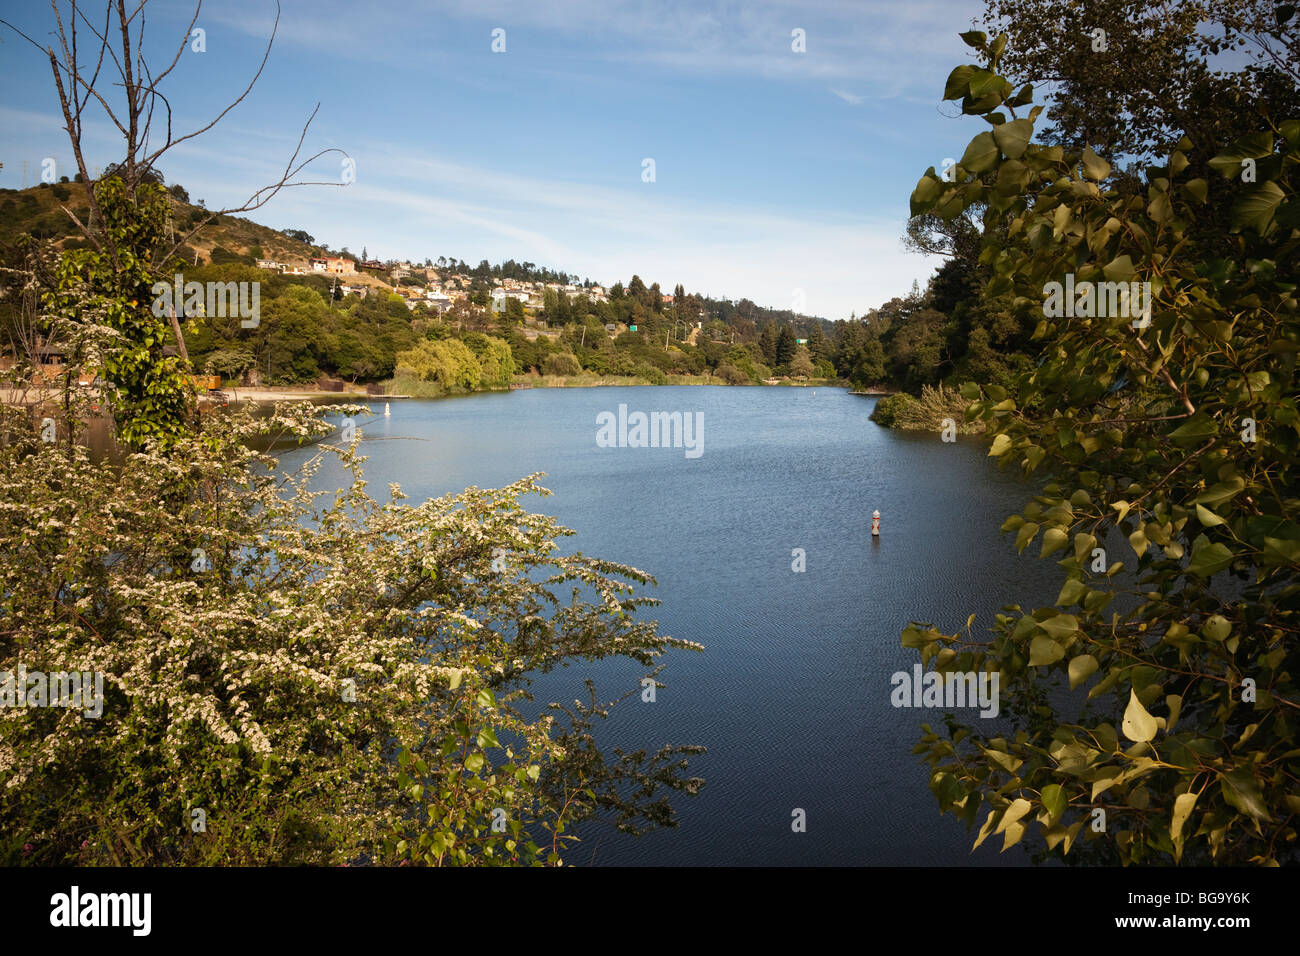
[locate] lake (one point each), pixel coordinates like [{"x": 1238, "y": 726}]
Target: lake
[{"x": 792, "y": 693}]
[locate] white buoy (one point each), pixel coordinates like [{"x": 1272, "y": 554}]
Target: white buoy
[
  {"x": 875, "y": 524},
  {"x": 387, "y": 411}
]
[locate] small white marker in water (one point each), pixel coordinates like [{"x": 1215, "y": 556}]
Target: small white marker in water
[
  {"x": 387, "y": 411},
  {"x": 875, "y": 523}
]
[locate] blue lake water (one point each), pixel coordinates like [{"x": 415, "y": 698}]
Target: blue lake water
[{"x": 792, "y": 693}]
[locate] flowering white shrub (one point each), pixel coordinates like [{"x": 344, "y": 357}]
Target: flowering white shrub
[{"x": 293, "y": 675}]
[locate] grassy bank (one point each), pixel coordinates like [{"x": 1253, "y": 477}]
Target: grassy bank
[
  {"x": 417, "y": 387},
  {"x": 586, "y": 380}
]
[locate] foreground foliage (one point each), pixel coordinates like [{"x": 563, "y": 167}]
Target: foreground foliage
[
  {"x": 301, "y": 676},
  {"x": 1155, "y": 704}
]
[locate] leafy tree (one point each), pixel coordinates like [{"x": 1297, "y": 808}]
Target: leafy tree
[
  {"x": 112, "y": 285},
  {"x": 801, "y": 365},
  {"x": 561, "y": 363},
  {"x": 1167, "y": 445},
  {"x": 449, "y": 362},
  {"x": 818, "y": 346},
  {"x": 767, "y": 343},
  {"x": 1131, "y": 78},
  {"x": 785, "y": 347}
]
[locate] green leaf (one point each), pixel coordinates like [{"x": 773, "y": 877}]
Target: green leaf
[
  {"x": 1255, "y": 209},
  {"x": 1054, "y": 801},
  {"x": 474, "y": 762},
  {"x": 1183, "y": 804},
  {"x": 1043, "y": 651},
  {"x": 986, "y": 84},
  {"x": 1222, "y": 491},
  {"x": 985, "y": 831},
  {"x": 1011, "y": 836},
  {"x": 1081, "y": 668},
  {"x": 1216, "y": 628},
  {"x": 1000, "y": 444},
  {"x": 1119, "y": 269},
  {"x": 1072, "y": 592},
  {"x": 1209, "y": 559},
  {"x": 1013, "y": 137},
  {"x": 1254, "y": 146},
  {"x": 982, "y": 153},
  {"x": 1207, "y": 517},
  {"x": 1241, "y": 791},
  {"x": 974, "y": 39},
  {"x": 1019, "y": 807},
  {"x": 1138, "y": 726},
  {"x": 1054, "y": 539},
  {"x": 1094, "y": 167},
  {"x": 958, "y": 84},
  {"x": 1160, "y": 209},
  {"x": 926, "y": 192},
  {"x": 1025, "y": 535},
  {"x": 1060, "y": 626}
]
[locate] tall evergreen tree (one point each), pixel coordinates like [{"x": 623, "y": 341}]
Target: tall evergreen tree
[{"x": 786, "y": 346}]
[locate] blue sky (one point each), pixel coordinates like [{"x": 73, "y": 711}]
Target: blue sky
[{"x": 778, "y": 175}]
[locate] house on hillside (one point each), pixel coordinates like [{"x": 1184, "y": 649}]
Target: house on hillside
[
  {"x": 333, "y": 265},
  {"x": 271, "y": 265}
]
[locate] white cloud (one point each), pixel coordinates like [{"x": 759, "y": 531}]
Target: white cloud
[{"x": 417, "y": 206}]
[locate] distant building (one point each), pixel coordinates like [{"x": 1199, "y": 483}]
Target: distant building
[
  {"x": 333, "y": 265},
  {"x": 271, "y": 265}
]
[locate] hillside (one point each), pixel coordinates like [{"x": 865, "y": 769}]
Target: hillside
[
  {"x": 944, "y": 333},
  {"x": 37, "y": 211}
]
